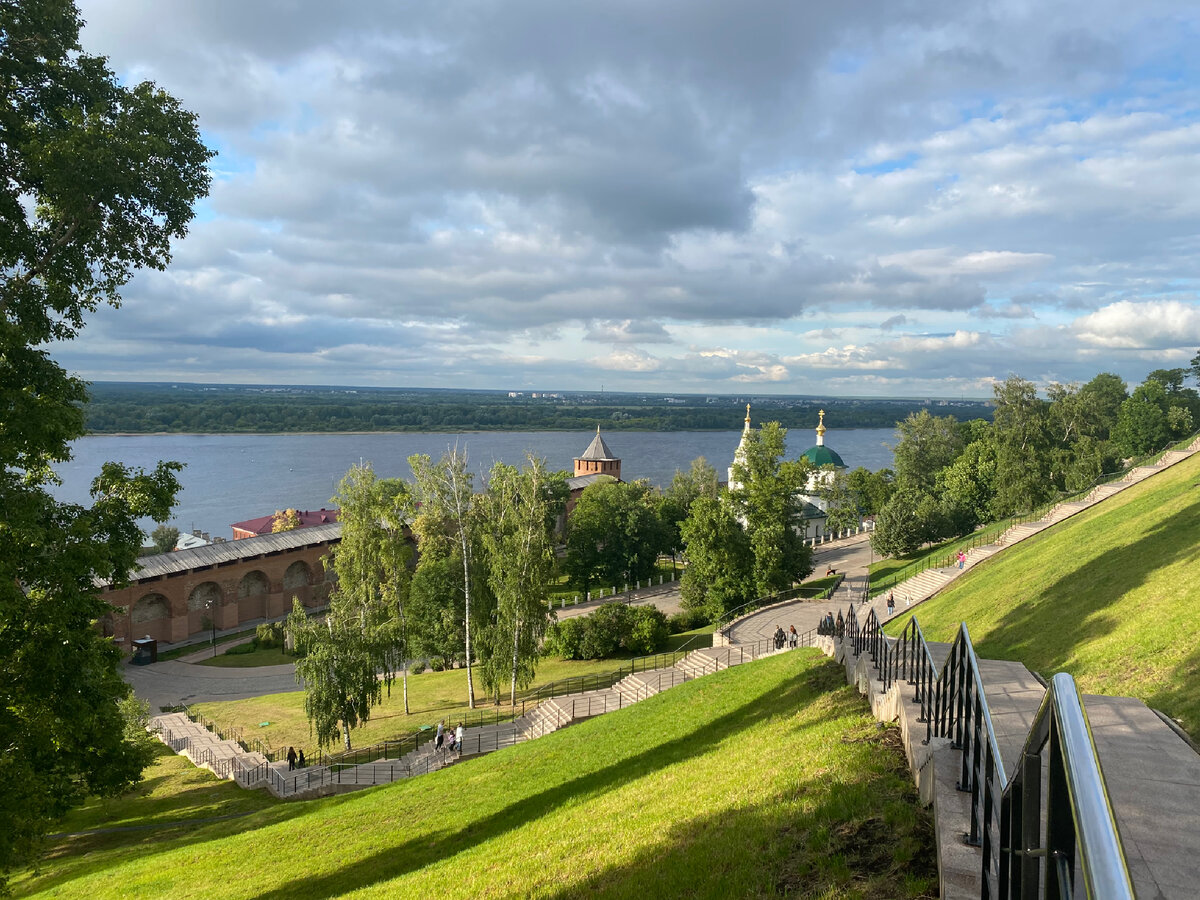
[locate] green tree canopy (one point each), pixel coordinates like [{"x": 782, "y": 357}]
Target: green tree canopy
[
  {"x": 767, "y": 502},
  {"x": 164, "y": 538},
  {"x": 614, "y": 535},
  {"x": 720, "y": 573},
  {"x": 927, "y": 444},
  {"x": 98, "y": 177}
]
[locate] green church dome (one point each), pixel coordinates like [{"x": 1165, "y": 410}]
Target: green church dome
[{"x": 821, "y": 455}]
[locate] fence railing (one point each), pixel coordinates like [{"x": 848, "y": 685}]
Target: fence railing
[
  {"x": 1075, "y": 784},
  {"x": 993, "y": 532},
  {"x": 1008, "y": 817}
]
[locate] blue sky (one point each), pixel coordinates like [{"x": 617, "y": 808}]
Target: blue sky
[{"x": 882, "y": 199}]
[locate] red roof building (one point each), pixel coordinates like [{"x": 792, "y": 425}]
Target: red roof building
[{"x": 265, "y": 524}]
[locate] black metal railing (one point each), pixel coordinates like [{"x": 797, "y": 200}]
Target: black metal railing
[
  {"x": 912, "y": 662},
  {"x": 1008, "y": 815}
]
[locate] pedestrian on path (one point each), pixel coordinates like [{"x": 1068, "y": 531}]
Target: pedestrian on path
[
  {"x": 300, "y": 763},
  {"x": 458, "y": 736},
  {"x": 840, "y": 625},
  {"x": 962, "y": 558},
  {"x": 291, "y": 758},
  {"x": 793, "y": 638},
  {"x": 441, "y": 735},
  {"x": 891, "y": 605}
]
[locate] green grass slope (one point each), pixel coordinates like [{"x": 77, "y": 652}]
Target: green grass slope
[
  {"x": 763, "y": 780},
  {"x": 1111, "y": 595}
]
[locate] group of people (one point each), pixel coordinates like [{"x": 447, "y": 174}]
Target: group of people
[
  {"x": 456, "y": 738},
  {"x": 827, "y": 626},
  {"x": 789, "y": 637},
  {"x": 295, "y": 760}
]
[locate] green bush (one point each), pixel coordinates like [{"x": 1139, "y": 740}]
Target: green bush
[
  {"x": 648, "y": 633},
  {"x": 565, "y": 639},
  {"x": 241, "y": 649},
  {"x": 268, "y": 635},
  {"x": 418, "y": 668},
  {"x": 686, "y": 621}
]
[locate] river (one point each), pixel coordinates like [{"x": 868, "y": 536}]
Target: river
[{"x": 232, "y": 477}]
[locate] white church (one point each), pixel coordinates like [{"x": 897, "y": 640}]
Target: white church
[{"x": 827, "y": 465}]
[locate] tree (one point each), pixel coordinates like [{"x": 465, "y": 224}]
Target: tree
[
  {"x": 336, "y": 660},
  {"x": 517, "y": 535},
  {"x": 927, "y": 445},
  {"x": 768, "y": 504},
  {"x": 699, "y": 481},
  {"x": 1142, "y": 425},
  {"x": 98, "y": 178},
  {"x": 1104, "y": 395},
  {"x": 870, "y": 490},
  {"x": 447, "y": 526},
  {"x": 164, "y": 538},
  {"x": 720, "y": 573},
  {"x": 1194, "y": 368},
  {"x": 1021, "y": 435},
  {"x": 841, "y": 506},
  {"x": 614, "y": 534},
  {"x": 285, "y": 520},
  {"x": 898, "y": 529}
]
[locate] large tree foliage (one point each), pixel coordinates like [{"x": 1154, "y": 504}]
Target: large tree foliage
[
  {"x": 720, "y": 573},
  {"x": 349, "y": 661},
  {"x": 519, "y": 512},
  {"x": 700, "y": 480},
  {"x": 614, "y": 535},
  {"x": 448, "y": 526},
  {"x": 768, "y": 505},
  {"x": 927, "y": 445},
  {"x": 97, "y": 178}
]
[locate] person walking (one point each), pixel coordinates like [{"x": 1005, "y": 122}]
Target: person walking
[
  {"x": 300, "y": 763},
  {"x": 291, "y": 758},
  {"x": 891, "y": 606},
  {"x": 793, "y": 638},
  {"x": 458, "y": 736},
  {"x": 962, "y": 558},
  {"x": 441, "y": 735}
]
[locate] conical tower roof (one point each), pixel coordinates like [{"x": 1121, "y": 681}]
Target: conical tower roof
[{"x": 597, "y": 449}]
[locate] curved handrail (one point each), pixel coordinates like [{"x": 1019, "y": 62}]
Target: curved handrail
[
  {"x": 1006, "y": 813},
  {"x": 1091, "y": 830}
]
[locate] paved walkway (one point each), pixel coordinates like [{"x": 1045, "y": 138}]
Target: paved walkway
[{"x": 172, "y": 682}]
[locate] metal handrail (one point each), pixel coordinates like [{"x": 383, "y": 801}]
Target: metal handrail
[
  {"x": 1006, "y": 814},
  {"x": 1075, "y": 780},
  {"x": 912, "y": 661}
]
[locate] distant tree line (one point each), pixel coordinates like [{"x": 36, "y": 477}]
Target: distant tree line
[{"x": 140, "y": 409}]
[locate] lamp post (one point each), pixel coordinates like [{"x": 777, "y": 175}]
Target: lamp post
[{"x": 213, "y": 623}]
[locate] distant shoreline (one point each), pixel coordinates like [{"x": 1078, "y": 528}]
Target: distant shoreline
[{"x": 449, "y": 431}]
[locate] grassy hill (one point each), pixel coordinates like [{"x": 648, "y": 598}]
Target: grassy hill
[
  {"x": 1111, "y": 595},
  {"x": 763, "y": 780}
]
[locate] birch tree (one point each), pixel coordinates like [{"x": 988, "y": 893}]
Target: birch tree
[
  {"x": 517, "y": 537},
  {"x": 350, "y": 659},
  {"x": 446, "y": 526}
]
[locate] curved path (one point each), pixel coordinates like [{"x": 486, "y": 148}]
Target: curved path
[
  {"x": 173, "y": 682},
  {"x": 852, "y": 556}
]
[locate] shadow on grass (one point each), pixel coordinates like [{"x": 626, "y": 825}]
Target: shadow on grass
[
  {"x": 410, "y": 856},
  {"x": 865, "y": 834}
]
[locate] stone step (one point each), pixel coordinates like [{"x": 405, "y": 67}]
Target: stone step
[{"x": 1153, "y": 781}]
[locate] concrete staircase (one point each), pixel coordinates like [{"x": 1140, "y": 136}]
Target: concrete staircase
[
  {"x": 547, "y": 717},
  {"x": 207, "y": 750},
  {"x": 1152, "y": 775}
]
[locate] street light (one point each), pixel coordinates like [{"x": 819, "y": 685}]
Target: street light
[{"x": 210, "y": 606}]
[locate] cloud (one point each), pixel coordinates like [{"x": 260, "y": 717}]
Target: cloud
[
  {"x": 1150, "y": 325},
  {"x": 468, "y": 194}
]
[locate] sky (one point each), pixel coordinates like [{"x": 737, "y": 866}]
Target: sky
[{"x": 877, "y": 198}]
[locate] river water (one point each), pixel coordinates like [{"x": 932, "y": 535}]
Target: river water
[{"x": 232, "y": 477}]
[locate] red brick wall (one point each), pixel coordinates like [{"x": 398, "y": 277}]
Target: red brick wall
[{"x": 234, "y": 587}]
